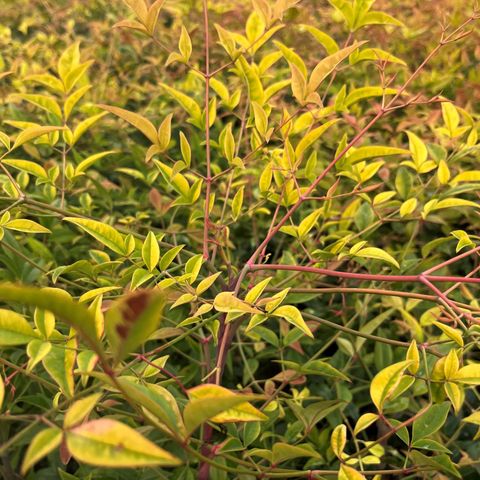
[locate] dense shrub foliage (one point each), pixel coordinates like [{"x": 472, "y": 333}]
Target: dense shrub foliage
[{"x": 239, "y": 240}]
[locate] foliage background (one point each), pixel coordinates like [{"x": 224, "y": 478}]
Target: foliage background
[{"x": 124, "y": 191}]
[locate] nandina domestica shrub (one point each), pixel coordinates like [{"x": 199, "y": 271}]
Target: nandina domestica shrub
[{"x": 239, "y": 240}]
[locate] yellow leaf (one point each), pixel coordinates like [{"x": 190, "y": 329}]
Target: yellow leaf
[
  {"x": 228, "y": 302},
  {"x": 293, "y": 315},
  {"x": 80, "y": 410},
  {"x": 151, "y": 251},
  {"x": 109, "y": 443},
  {"x": 349, "y": 473},
  {"x": 218, "y": 404},
  {"x": 450, "y": 332},
  {"x": 338, "y": 440},
  {"x": 443, "y": 172},
  {"x": 378, "y": 254},
  {"x": 470, "y": 374},
  {"x": 385, "y": 382},
  {"x": 364, "y": 422},
  {"x": 451, "y": 364},
  {"x": 414, "y": 356},
  {"x": 41, "y": 445},
  {"x": 139, "y": 122},
  {"x": 326, "y": 66},
  {"x": 24, "y": 225}
]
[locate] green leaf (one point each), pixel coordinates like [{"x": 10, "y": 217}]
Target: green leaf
[
  {"x": 385, "y": 382},
  {"x": 59, "y": 363},
  {"x": 157, "y": 401},
  {"x": 376, "y": 253},
  {"x": 326, "y": 66},
  {"x": 281, "y": 452},
  {"x": 151, "y": 251},
  {"x": 14, "y": 329},
  {"x": 109, "y": 443},
  {"x": 293, "y": 315},
  {"x": 431, "y": 421},
  {"x": 41, "y": 445},
  {"x": 24, "y": 225},
  {"x": 139, "y": 122},
  {"x": 440, "y": 462},
  {"x": 102, "y": 232},
  {"x": 56, "y": 301},
  {"x": 218, "y": 404},
  {"x": 31, "y": 133},
  {"x": 132, "y": 319}
]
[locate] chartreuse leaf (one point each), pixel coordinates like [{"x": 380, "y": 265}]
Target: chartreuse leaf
[
  {"x": 227, "y": 302},
  {"x": 2, "y": 391},
  {"x": 80, "y": 410},
  {"x": 450, "y": 332},
  {"x": 414, "y": 356},
  {"x": 157, "y": 401},
  {"x": 56, "y": 301},
  {"x": 441, "y": 463},
  {"x": 385, "y": 382},
  {"x": 206, "y": 283},
  {"x": 59, "y": 363},
  {"x": 186, "y": 102},
  {"x": 109, "y": 443},
  {"x": 14, "y": 329},
  {"x": 293, "y": 315},
  {"x": 281, "y": 452},
  {"x": 42, "y": 444},
  {"x": 469, "y": 176},
  {"x": 151, "y": 251},
  {"x": 364, "y": 422},
  {"x": 254, "y": 293},
  {"x": 312, "y": 137},
  {"x": 218, "y": 404},
  {"x": 431, "y": 421},
  {"x": 132, "y": 319},
  {"x": 376, "y": 253},
  {"x": 324, "y": 39},
  {"x": 338, "y": 440},
  {"x": 104, "y": 233},
  {"x": 470, "y": 374},
  {"x": 31, "y": 133},
  {"x": 326, "y": 66},
  {"x": 24, "y": 225},
  {"x": 139, "y": 122},
  {"x": 27, "y": 166}
]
